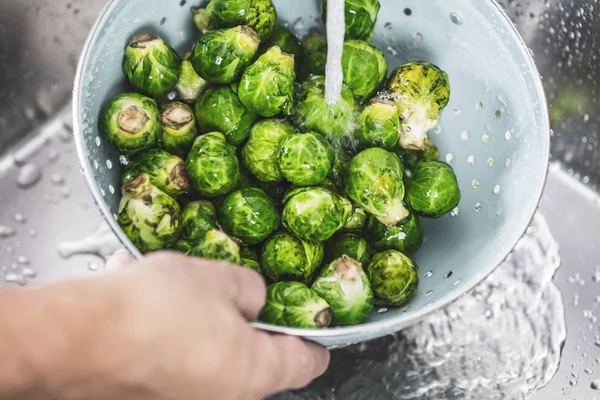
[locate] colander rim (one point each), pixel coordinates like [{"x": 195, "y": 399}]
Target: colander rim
[{"x": 384, "y": 326}]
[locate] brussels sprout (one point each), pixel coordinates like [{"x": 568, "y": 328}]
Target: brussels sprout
[
  {"x": 249, "y": 258},
  {"x": 287, "y": 42},
  {"x": 357, "y": 222},
  {"x": 179, "y": 128},
  {"x": 410, "y": 158},
  {"x": 375, "y": 184},
  {"x": 258, "y": 14},
  {"x": 216, "y": 245},
  {"x": 286, "y": 257},
  {"x": 328, "y": 184},
  {"x": 339, "y": 172},
  {"x": 199, "y": 217},
  {"x": 394, "y": 278},
  {"x": 212, "y": 165},
  {"x": 432, "y": 190},
  {"x": 219, "y": 109},
  {"x": 345, "y": 286},
  {"x": 165, "y": 171},
  {"x": 360, "y": 15},
  {"x": 312, "y": 112},
  {"x": 379, "y": 125},
  {"x": 249, "y": 214},
  {"x": 364, "y": 68},
  {"x": 221, "y": 56},
  {"x": 293, "y": 304},
  {"x": 183, "y": 246},
  {"x": 315, "y": 213},
  {"x": 131, "y": 122},
  {"x": 348, "y": 244},
  {"x": 315, "y": 57},
  {"x": 304, "y": 159},
  {"x": 151, "y": 66},
  {"x": 150, "y": 218},
  {"x": 190, "y": 84},
  {"x": 259, "y": 154},
  {"x": 421, "y": 91},
  {"x": 406, "y": 236},
  {"x": 267, "y": 86}
]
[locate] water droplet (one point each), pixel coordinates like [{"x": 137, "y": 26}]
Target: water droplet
[
  {"x": 507, "y": 162},
  {"x": 438, "y": 130},
  {"x": 23, "y": 260},
  {"x": 52, "y": 155},
  {"x": 102, "y": 192},
  {"x": 20, "y": 218},
  {"x": 479, "y": 106},
  {"x": 57, "y": 179},
  {"x": 490, "y": 162},
  {"x": 455, "y": 212},
  {"x": 465, "y": 136},
  {"x": 109, "y": 164},
  {"x": 32, "y": 233},
  {"x": 595, "y": 385},
  {"x": 586, "y": 117},
  {"x": 29, "y": 272},
  {"x": 588, "y": 371},
  {"x": 471, "y": 160},
  {"x": 393, "y": 52},
  {"x": 7, "y": 231},
  {"x": 507, "y": 135},
  {"x": 477, "y": 207},
  {"x": 573, "y": 382},
  {"x": 485, "y": 138},
  {"x": 428, "y": 274},
  {"x": 29, "y": 175},
  {"x": 98, "y": 142},
  {"x": 14, "y": 266},
  {"x": 92, "y": 266},
  {"x": 475, "y": 184},
  {"x": 457, "y": 282},
  {"x": 496, "y": 189},
  {"x": 457, "y": 111},
  {"x": 96, "y": 164},
  {"x": 597, "y": 343},
  {"x": 123, "y": 160},
  {"x": 382, "y": 310},
  {"x": 455, "y": 18},
  {"x": 65, "y": 192},
  {"x": 449, "y": 158}
]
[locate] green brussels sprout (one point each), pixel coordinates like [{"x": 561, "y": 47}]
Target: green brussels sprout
[
  {"x": 304, "y": 159},
  {"x": 249, "y": 258},
  {"x": 267, "y": 86},
  {"x": 432, "y": 190},
  {"x": 219, "y": 109},
  {"x": 151, "y": 66},
  {"x": 190, "y": 84},
  {"x": 276, "y": 190},
  {"x": 165, "y": 171},
  {"x": 349, "y": 244},
  {"x": 410, "y": 158},
  {"x": 339, "y": 171},
  {"x": 259, "y": 154},
  {"x": 345, "y": 286},
  {"x": 216, "y": 245},
  {"x": 361, "y": 16},
  {"x": 328, "y": 184},
  {"x": 249, "y": 215},
  {"x": 260, "y": 15},
  {"x": 315, "y": 213},
  {"x": 198, "y": 218},
  {"x": 394, "y": 278},
  {"x": 421, "y": 91},
  {"x": 212, "y": 165},
  {"x": 406, "y": 236},
  {"x": 364, "y": 67},
  {"x": 150, "y": 218},
  {"x": 375, "y": 183},
  {"x": 312, "y": 112},
  {"x": 379, "y": 125},
  {"x": 131, "y": 122},
  {"x": 221, "y": 56},
  {"x": 179, "y": 128},
  {"x": 293, "y": 304},
  {"x": 357, "y": 222},
  {"x": 287, "y": 42},
  {"x": 183, "y": 246},
  {"x": 315, "y": 56},
  {"x": 286, "y": 257}
]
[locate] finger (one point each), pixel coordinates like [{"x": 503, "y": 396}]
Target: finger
[
  {"x": 120, "y": 259},
  {"x": 285, "y": 363}
]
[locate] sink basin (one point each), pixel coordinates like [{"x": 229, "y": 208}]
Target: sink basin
[{"x": 50, "y": 228}]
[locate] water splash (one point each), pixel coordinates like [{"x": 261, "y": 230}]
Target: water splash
[
  {"x": 102, "y": 242},
  {"x": 500, "y": 342},
  {"x": 336, "y": 28}
]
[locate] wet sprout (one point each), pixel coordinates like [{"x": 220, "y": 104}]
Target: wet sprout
[
  {"x": 312, "y": 112},
  {"x": 220, "y": 56},
  {"x": 339, "y": 171},
  {"x": 179, "y": 128},
  {"x": 249, "y": 215},
  {"x": 249, "y": 259},
  {"x": 432, "y": 190},
  {"x": 410, "y": 158},
  {"x": 394, "y": 278},
  {"x": 345, "y": 287},
  {"x": 165, "y": 171},
  {"x": 375, "y": 183},
  {"x": 286, "y": 257},
  {"x": 267, "y": 86},
  {"x": 406, "y": 236},
  {"x": 190, "y": 84},
  {"x": 131, "y": 123},
  {"x": 420, "y": 91},
  {"x": 151, "y": 66},
  {"x": 287, "y": 42},
  {"x": 259, "y": 154},
  {"x": 361, "y": 16},
  {"x": 304, "y": 159},
  {"x": 379, "y": 125},
  {"x": 357, "y": 222},
  {"x": 364, "y": 67},
  {"x": 293, "y": 304},
  {"x": 212, "y": 165},
  {"x": 349, "y": 244},
  {"x": 260, "y": 15},
  {"x": 216, "y": 245},
  {"x": 315, "y": 56},
  {"x": 198, "y": 218},
  {"x": 219, "y": 109},
  {"x": 150, "y": 218},
  {"x": 315, "y": 213}
]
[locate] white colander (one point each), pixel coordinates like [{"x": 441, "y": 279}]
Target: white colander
[{"x": 494, "y": 133}]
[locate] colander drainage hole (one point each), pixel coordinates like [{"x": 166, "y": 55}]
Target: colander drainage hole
[
  {"x": 498, "y": 114},
  {"x": 407, "y": 12},
  {"x": 456, "y": 19},
  {"x": 163, "y": 21},
  {"x": 457, "y": 282},
  {"x": 183, "y": 3},
  {"x": 448, "y": 274},
  {"x": 407, "y": 309},
  {"x": 429, "y": 293},
  {"x": 428, "y": 274}
]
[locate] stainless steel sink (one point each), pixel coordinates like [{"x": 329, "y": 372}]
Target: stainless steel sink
[{"x": 50, "y": 228}]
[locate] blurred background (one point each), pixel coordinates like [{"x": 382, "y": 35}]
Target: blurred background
[{"x": 530, "y": 331}]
